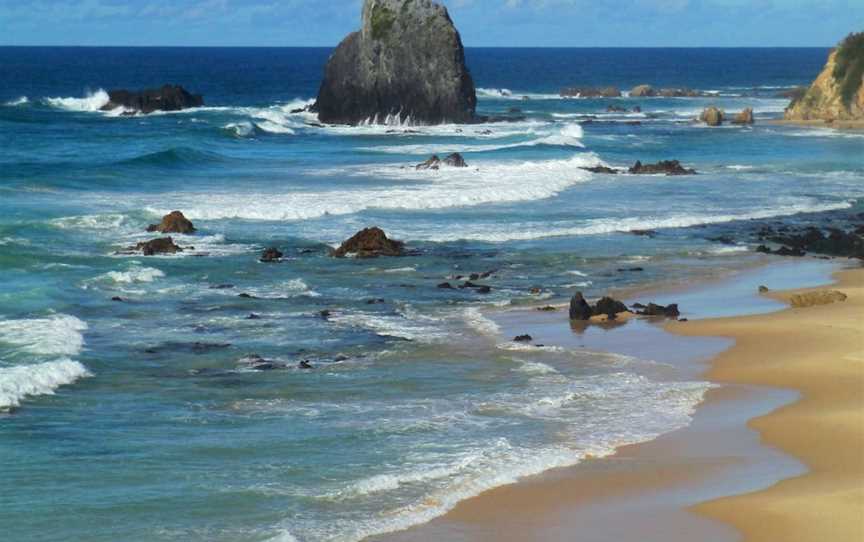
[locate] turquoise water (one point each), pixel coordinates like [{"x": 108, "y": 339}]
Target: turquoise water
[{"x": 142, "y": 420}]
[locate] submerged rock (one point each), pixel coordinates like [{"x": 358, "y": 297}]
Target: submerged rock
[
  {"x": 173, "y": 222},
  {"x": 453, "y": 160},
  {"x": 271, "y": 255},
  {"x": 669, "y": 167},
  {"x": 679, "y": 93},
  {"x": 167, "y": 98},
  {"x": 370, "y": 243},
  {"x": 406, "y": 62},
  {"x": 601, "y": 169},
  {"x": 523, "y": 338},
  {"x": 162, "y": 245}
]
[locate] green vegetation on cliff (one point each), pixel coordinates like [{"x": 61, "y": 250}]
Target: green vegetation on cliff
[
  {"x": 382, "y": 21},
  {"x": 850, "y": 66}
]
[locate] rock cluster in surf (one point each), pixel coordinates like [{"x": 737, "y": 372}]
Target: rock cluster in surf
[
  {"x": 166, "y": 98},
  {"x": 405, "y": 62}
]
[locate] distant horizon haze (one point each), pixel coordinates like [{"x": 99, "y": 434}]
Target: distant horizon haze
[{"x": 482, "y": 23}]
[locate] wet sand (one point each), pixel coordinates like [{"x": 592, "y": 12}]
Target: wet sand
[{"x": 651, "y": 491}]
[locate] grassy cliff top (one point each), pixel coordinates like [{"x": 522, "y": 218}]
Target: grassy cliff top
[{"x": 849, "y": 67}]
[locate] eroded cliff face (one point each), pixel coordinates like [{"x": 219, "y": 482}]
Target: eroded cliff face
[
  {"x": 838, "y": 91},
  {"x": 406, "y": 62}
]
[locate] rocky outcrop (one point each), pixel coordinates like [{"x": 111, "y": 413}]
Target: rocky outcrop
[
  {"x": 601, "y": 169},
  {"x": 744, "y": 117},
  {"x": 453, "y": 160},
  {"x": 162, "y": 245},
  {"x": 608, "y": 308},
  {"x": 835, "y": 242},
  {"x": 668, "y": 167},
  {"x": 370, "y": 243},
  {"x": 173, "y": 222},
  {"x": 652, "y": 309},
  {"x": 590, "y": 92},
  {"x": 838, "y": 91},
  {"x": 167, "y": 98},
  {"x": 712, "y": 116},
  {"x": 405, "y": 62},
  {"x": 642, "y": 91},
  {"x": 678, "y": 93}
]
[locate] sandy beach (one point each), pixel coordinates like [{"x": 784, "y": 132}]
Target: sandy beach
[{"x": 787, "y": 415}]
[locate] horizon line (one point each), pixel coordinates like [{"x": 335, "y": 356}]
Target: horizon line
[{"x": 466, "y": 46}]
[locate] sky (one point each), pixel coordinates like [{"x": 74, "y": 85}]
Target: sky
[{"x": 482, "y": 23}]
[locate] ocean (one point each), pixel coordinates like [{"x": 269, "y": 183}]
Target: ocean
[{"x": 143, "y": 419}]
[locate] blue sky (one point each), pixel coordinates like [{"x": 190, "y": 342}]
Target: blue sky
[{"x": 577, "y": 23}]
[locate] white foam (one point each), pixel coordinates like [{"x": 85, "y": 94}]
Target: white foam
[
  {"x": 534, "y": 368},
  {"x": 480, "y": 323},
  {"x": 507, "y": 94},
  {"x": 528, "y": 231},
  {"x": 22, "y": 100},
  {"x": 21, "y": 381},
  {"x": 89, "y": 222},
  {"x": 397, "y": 326},
  {"x": 483, "y": 183},
  {"x": 57, "y": 335},
  {"x": 134, "y": 275},
  {"x": 240, "y": 129},
  {"x": 92, "y": 102}
]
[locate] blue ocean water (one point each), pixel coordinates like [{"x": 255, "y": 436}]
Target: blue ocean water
[{"x": 142, "y": 419}]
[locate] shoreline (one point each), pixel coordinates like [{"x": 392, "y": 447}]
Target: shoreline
[{"x": 658, "y": 484}]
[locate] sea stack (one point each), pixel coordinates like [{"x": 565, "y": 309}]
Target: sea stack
[
  {"x": 405, "y": 63},
  {"x": 838, "y": 91}
]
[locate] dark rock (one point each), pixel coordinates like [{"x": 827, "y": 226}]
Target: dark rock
[
  {"x": 271, "y": 255},
  {"x": 601, "y": 169},
  {"x": 305, "y": 365},
  {"x": 173, "y": 222},
  {"x": 615, "y": 109},
  {"x": 376, "y": 301},
  {"x": 786, "y": 251},
  {"x": 725, "y": 239},
  {"x": 579, "y": 308},
  {"x": 370, "y": 243},
  {"x": 484, "y": 290},
  {"x": 638, "y": 306},
  {"x": 548, "y": 308},
  {"x": 162, "y": 245},
  {"x": 637, "y": 109},
  {"x": 117, "y": 298},
  {"x": 669, "y": 167},
  {"x": 325, "y": 314},
  {"x": 253, "y": 316},
  {"x": 445, "y": 286},
  {"x": 763, "y": 289},
  {"x": 167, "y": 98},
  {"x": 453, "y": 160},
  {"x": 407, "y": 61},
  {"x": 523, "y": 338},
  {"x": 221, "y": 286},
  {"x": 610, "y": 307},
  {"x": 257, "y": 363},
  {"x": 246, "y": 296},
  {"x": 669, "y": 311},
  {"x": 644, "y": 233}
]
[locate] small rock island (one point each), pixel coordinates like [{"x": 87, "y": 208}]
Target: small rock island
[{"x": 405, "y": 63}]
